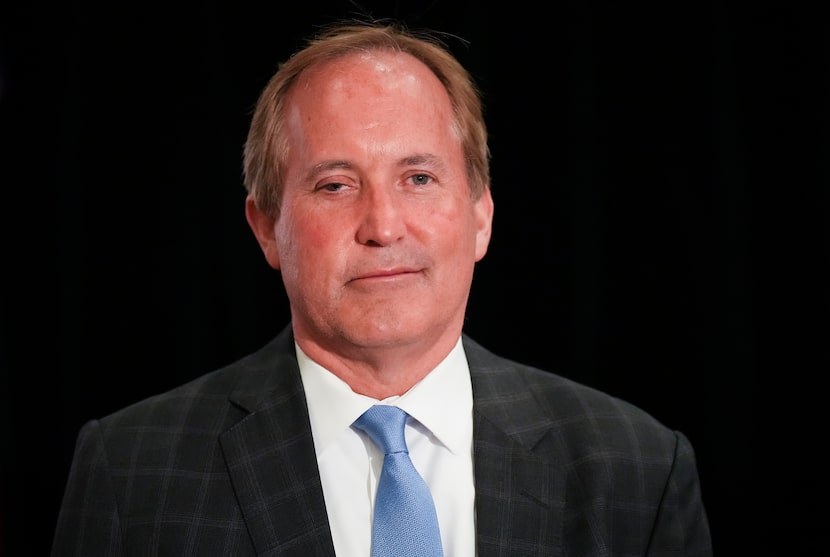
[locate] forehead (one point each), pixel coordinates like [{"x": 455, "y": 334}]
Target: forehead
[
  {"x": 370, "y": 77},
  {"x": 368, "y": 109}
]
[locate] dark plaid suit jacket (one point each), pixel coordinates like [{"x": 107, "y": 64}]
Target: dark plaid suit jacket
[{"x": 225, "y": 466}]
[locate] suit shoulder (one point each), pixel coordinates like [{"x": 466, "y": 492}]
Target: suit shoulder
[
  {"x": 541, "y": 400},
  {"x": 199, "y": 399}
]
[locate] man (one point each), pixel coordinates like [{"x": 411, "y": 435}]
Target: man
[{"x": 368, "y": 176}]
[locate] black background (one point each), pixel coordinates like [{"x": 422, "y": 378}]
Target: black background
[{"x": 660, "y": 176}]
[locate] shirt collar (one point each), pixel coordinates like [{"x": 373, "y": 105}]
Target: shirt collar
[{"x": 442, "y": 401}]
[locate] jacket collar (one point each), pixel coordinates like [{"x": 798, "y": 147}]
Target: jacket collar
[
  {"x": 520, "y": 486},
  {"x": 271, "y": 460}
]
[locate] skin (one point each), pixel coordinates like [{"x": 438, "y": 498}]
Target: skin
[{"x": 378, "y": 233}]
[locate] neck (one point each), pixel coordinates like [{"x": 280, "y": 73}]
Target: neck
[{"x": 379, "y": 372}]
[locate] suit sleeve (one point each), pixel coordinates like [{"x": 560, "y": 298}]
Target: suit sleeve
[
  {"x": 88, "y": 521},
  {"x": 682, "y": 527}
]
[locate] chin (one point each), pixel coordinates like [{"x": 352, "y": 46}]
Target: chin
[{"x": 398, "y": 333}]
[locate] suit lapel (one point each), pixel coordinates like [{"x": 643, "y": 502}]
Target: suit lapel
[
  {"x": 271, "y": 460},
  {"x": 520, "y": 488},
  {"x": 519, "y": 497}
]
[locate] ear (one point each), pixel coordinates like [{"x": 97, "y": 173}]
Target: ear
[
  {"x": 483, "y": 214},
  {"x": 263, "y": 228}
]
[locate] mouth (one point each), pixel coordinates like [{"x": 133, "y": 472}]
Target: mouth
[{"x": 386, "y": 275}]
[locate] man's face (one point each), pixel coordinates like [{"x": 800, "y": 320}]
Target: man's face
[{"x": 378, "y": 234}]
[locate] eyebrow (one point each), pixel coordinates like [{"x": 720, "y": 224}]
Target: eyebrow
[
  {"x": 325, "y": 166},
  {"x": 419, "y": 159},
  {"x": 424, "y": 159}
]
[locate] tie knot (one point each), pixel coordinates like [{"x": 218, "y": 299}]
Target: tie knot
[{"x": 385, "y": 425}]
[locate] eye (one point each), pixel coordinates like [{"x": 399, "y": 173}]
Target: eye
[
  {"x": 332, "y": 186},
  {"x": 421, "y": 179}
]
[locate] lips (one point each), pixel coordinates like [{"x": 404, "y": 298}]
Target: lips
[{"x": 380, "y": 274}]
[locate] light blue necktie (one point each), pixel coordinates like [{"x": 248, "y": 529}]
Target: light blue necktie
[{"x": 405, "y": 523}]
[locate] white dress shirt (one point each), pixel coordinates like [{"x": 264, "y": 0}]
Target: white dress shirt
[{"x": 439, "y": 435}]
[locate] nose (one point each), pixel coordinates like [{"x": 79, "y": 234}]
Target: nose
[{"x": 381, "y": 220}]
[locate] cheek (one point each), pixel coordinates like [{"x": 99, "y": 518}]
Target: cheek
[
  {"x": 319, "y": 232},
  {"x": 452, "y": 224},
  {"x": 440, "y": 215},
  {"x": 309, "y": 242}
]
